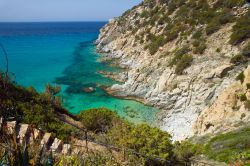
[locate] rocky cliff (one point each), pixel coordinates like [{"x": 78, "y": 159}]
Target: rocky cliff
[{"x": 182, "y": 57}]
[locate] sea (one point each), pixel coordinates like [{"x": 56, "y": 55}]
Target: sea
[{"x": 64, "y": 54}]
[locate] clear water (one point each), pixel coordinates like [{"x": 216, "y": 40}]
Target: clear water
[{"x": 64, "y": 54}]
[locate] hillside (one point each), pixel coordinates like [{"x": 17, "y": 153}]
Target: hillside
[{"x": 183, "y": 57}]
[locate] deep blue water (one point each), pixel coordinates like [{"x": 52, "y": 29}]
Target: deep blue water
[{"x": 64, "y": 54}]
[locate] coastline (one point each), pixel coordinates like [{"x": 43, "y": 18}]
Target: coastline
[{"x": 106, "y": 57}]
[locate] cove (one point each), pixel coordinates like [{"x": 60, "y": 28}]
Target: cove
[{"x": 64, "y": 54}]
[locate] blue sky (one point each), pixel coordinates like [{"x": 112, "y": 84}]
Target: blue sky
[{"x": 62, "y": 10}]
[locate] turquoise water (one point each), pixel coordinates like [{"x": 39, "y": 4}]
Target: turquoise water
[{"x": 64, "y": 54}]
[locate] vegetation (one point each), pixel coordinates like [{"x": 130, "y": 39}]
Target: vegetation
[
  {"x": 246, "y": 50},
  {"x": 241, "y": 77},
  {"x": 183, "y": 63},
  {"x": 144, "y": 139},
  {"x": 230, "y": 147},
  {"x": 178, "y": 55},
  {"x": 29, "y": 106},
  {"x": 98, "y": 120},
  {"x": 238, "y": 59},
  {"x": 186, "y": 150},
  {"x": 241, "y": 29},
  {"x": 243, "y": 97}
]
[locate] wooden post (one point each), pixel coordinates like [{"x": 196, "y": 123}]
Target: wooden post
[{"x": 86, "y": 139}]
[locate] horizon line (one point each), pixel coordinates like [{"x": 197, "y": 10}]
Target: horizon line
[{"x": 51, "y": 21}]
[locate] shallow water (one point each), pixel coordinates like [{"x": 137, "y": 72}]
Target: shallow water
[{"x": 64, "y": 54}]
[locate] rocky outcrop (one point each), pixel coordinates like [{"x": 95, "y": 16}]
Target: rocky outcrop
[
  {"x": 230, "y": 110},
  {"x": 181, "y": 98}
]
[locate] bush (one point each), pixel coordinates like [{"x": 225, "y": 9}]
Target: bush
[
  {"x": 212, "y": 27},
  {"x": 178, "y": 55},
  {"x": 243, "y": 97},
  {"x": 184, "y": 151},
  {"x": 225, "y": 147},
  {"x": 197, "y": 34},
  {"x": 241, "y": 77},
  {"x": 97, "y": 120},
  {"x": 230, "y": 3},
  {"x": 217, "y": 20},
  {"x": 157, "y": 41},
  {"x": 143, "y": 139},
  {"x": 237, "y": 59},
  {"x": 246, "y": 50},
  {"x": 200, "y": 48},
  {"x": 241, "y": 30},
  {"x": 184, "y": 62},
  {"x": 144, "y": 14}
]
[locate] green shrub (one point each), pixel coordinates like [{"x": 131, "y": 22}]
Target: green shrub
[
  {"x": 196, "y": 43},
  {"x": 144, "y": 14},
  {"x": 200, "y": 48},
  {"x": 246, "y": 50},
  {"x": 243, "y": 97},
  {"x": 185, "y": 150},
  {"x": 241, "y": 29},
  {"x": 156, "y": 42},
  {"x": 218, "y": 19},
  {"x": 178, "y": 55},
  {"x": 183, "y": 63},
  {"x": 212, "y": 27},
  {"x": 197, "y": 34},
  {"x": 248, "y": 85},
  {"x": 97, "y": 120},
  {"x": 237, "y": 59},
  {"x": 218, "y": 50},
  {"x": 143, "y": 139},
  {"x": 225, "y": 147},
  {"x": 241, "y": 77},
  {"x": 229, "y": 3}
]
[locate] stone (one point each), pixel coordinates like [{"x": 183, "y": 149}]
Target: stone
[
  {"x": 11, "y": 126},
  {"x": 56, "y": 145},
  {"x": 23, "y": 132},
  {"x": 45, "y": 140},
  {"x": 179, "y": 104},
  {"x": 66, "y": 149}
]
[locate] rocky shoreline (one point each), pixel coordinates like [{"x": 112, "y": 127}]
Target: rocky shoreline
[{"x": 150, "y": 79}]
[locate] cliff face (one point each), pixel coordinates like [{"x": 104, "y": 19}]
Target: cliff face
[{"x": 179, "y": 58}]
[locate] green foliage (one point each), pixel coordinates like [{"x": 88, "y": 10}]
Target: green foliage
[
  {"x": 243, "y": 97},
  {"x": 197, "y": 34},
  {"x": 241, "y": 29},
  {"x": 246, "y": 50},
  {"x": 156, "y": 42},
  {"x": 219, "y": 19},
  {"x": 241, "y": 77},
  {"x": 173, "y": 5},
  {"x": 97, "y": 120},
  {"x": 185, "y": 150},
  {"x": 178, "y": 55},
  {"x": 38, "y": 109},
  {"x": 230, "y": 3},
  {"x": 145, "y": 14},
  {"x": 199, "y": 46},
  {"x": 238, "y": 59},
  {"x": 99, "y": 159},
  {"x": 184, "y": 62},
  {"x": 248, "y": 86},
  {"x": 227, "y": 147},
  {"x": 142, "y": 138}
]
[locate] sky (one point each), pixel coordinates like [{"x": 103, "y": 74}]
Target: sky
[{"x": 62, "y": 10}]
